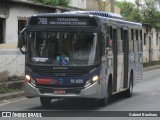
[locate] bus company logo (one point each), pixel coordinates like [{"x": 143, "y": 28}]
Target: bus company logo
[
  {"x": 61, "y": 81},
  {"x": 6, "y": 114},
  {"x": 54, "y": 82}
]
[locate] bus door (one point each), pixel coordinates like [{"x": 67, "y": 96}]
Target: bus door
[
  {"x": 126, "y": 50},
  {"x": 121, "y": 59},
  {"x": 114, "y": 32}
]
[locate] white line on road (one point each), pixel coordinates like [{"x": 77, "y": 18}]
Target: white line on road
[{"x": 6, "y": 102}]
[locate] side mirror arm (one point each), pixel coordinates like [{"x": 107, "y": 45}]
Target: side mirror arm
[
  {"x": 23, "y": 52},
  {"x": 21, "y": 41}
]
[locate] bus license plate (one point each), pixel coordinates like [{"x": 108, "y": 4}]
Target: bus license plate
[{"x": 59, "y": 91}]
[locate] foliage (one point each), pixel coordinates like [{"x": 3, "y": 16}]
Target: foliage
[
  {"x": 8, "y": 90},
  {"x": 152, "y": 63},
  {"x": 151, "y": 13},
  {"x": 148, "y": 13},
  {"x": 63, "y": 3},
  {"x": 128, "y": 10}
]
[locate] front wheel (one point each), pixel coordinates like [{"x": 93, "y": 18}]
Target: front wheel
[
  {"x": 45, "y": 101},
  {"x": 128, "y": 93},
  {"x": 108, "y": 98}
]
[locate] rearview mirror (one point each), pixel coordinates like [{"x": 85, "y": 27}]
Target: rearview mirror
[{"x": 21, "y": 41}]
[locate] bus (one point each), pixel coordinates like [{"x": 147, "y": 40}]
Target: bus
[{"x": 81, "y": 54}]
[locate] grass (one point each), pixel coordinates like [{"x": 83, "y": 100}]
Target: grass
[
  {"x": 152, "y": 63},
  {"x": 8, "y": 90}
]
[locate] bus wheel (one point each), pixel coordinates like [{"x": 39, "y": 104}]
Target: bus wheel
[
  {"x": 108, "y": 98},
  {"x": 128, "y": 93},
  {"x": 45, "y": 101}
]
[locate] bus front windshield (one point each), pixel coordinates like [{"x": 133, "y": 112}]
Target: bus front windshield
[{"x": 63, "y": 48}]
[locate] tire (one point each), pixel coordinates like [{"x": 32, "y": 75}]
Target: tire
[
  {"x": 45, "y": 101},
  {"x": 128, "y": 93},
  {"x": 108, "y": 98}
]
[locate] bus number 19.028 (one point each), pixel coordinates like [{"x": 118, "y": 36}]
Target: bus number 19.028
[{"x": 75, "y": 81}]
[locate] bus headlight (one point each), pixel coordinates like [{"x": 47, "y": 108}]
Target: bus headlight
[
  {"x": 30, "y": 80},
  {"x": 95, "y": 79},
  {"x": 28, "y": 77},
  {"x": 91, "y": 81}
]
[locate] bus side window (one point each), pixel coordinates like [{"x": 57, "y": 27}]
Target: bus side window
[
  {"x": 135, "y": 40},
  {"x": 141, "y": 48},
  {"x": 131, "y": 45},
  {"x": 103, "y": 44},
  {"x": 106, "y": 39},
  {"x": 109, "y": 36},
  {"x": 140, "y": 41},
  {"x": 120, "y": 40}
]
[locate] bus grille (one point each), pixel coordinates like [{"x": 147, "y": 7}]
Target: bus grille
[{"x": 49, "y": 72}]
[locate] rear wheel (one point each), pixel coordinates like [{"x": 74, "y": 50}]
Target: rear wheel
[
  {"x": 45, "y": 101},
  {"x": 128, "y": 93}
]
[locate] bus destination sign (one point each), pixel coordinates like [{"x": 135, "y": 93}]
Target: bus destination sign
[{"x": 54, "y": 21}]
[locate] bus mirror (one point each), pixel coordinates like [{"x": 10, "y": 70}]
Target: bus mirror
[
  {"x": 21, "y": 41},
  {"x": 20, "y": 38}
]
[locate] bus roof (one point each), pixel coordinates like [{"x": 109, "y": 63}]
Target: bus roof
[
  {"x": 97, "y": 13},
  {"x": 60, "y": 15},
  {"x": 111, "y": 17}
]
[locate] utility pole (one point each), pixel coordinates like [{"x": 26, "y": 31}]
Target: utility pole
[{"x": 112, "y": 6}]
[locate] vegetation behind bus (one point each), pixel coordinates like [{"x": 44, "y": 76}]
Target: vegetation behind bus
[
  {"x": 63, "y": 3},
  {"x": 148, "y": 13},
  {"x": 151, "y": 63}
]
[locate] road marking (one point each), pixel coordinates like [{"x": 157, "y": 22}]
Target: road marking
[{"x": 6, "y": 102}]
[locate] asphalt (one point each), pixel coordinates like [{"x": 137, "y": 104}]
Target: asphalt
[{"x": 17, "y": 94}]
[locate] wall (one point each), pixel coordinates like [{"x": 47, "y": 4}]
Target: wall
[
  {"x": 106, "y": 6},
  {"x": 78, "y": 3},
  {"x": 11, "y": 60},
  {"x": 93, "y": 5},
  {"x": 151, "y": 50}
]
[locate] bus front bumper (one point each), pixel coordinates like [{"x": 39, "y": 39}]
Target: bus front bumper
[{"x": 92, "y": 91}]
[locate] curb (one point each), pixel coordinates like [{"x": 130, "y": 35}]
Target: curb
[
  {"x": 145, "y": 69},
  {"x": 8, "y": 96},
  {"x": 12, "y": 84}
]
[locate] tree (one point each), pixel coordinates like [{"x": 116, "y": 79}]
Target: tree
[
  {"x": 63, "y": 3},
  {"x": 151, "y": 13},
  {"x": 148, "y": 13},
  {"x": 129, "y": 11}
]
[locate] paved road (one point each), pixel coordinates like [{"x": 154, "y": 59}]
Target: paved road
[{"x": 145, "y": 98}]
